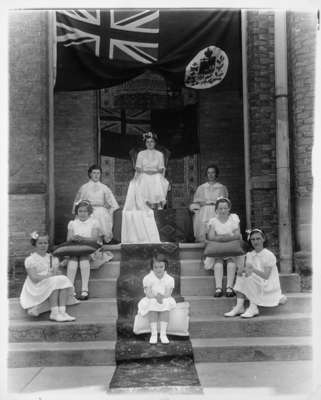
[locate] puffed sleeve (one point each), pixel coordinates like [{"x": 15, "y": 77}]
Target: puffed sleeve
[
  {"x": 211, "y": 223},
  {"x": 225, "y": 191},
  {"x": 70, "y": 225},
  {"x": 110, "y": 198},
  {"x": 161, "y": 163},
  {"x": 170, "y": 282},
  {"x": 235, "y": 220},
  {"x": 147, "y": 281},
  {"x": 199, "y": 195},
  {"x": 269, "y": 258},
  {"x": 29, "y": 263},
  {"x": 139, "y": 160}
]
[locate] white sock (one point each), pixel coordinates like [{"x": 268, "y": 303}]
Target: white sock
[
  {"x": 62, "y": 309},
  {"x": 163, "y": 328},
  {"x": 153, "y": 328},
  {"x": 85, "y": 272},
  {"x": 218, "y": 275},
  {"x": 231, "y": 268},
  {"x": 54, "y": 310},
  {"x": 239, "y": 303},
  {"x": 72, "y": 270}
]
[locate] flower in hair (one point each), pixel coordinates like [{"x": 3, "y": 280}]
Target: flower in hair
[
  {"x": 149, "y": 135},
  {"x": 34, "y": 235}
]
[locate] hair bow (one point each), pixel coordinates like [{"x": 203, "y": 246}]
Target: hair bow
[{"x": 34, "y": 235}]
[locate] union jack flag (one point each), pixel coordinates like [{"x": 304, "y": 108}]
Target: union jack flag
[
  {"x": 125, "y": 122},
  {"x": 113, "y": 35},
  {"x": 102, "y": 48}
]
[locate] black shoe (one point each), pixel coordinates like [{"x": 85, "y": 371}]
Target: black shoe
[
  {"x": 218, "y": 292},
  {"x": 229, "y": 292},
  {"x": 84, "y": 295}
]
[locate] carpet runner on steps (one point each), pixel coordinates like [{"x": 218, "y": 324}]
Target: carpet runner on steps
[{"x": 141, "y": 366}]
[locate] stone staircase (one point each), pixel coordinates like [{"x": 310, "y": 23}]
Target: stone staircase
[{"x": 282, "y": 333}]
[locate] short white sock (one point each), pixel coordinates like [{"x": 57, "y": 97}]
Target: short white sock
[
  {"x": 62, "y": 309},
  {"x": 54, "y": 310}
]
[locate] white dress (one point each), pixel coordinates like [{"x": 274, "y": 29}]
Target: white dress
[
  {"x": 263, "y": 292},
  {"x": 156, "y": 285},
  {"x": 138, "y": 221},
  {"x": 100, "y": 196},
  {"x": 83, "y": 228},
  {"x": 207, "y": 193},
  {"x": 152, "y": 188},
  {"x": 34, "y": 294}
]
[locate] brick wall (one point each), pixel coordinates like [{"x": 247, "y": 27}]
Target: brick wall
[
  {"x": 75, "y": 151},
  {"x": 261, "y": 92},
  {"x": 28, "y": 128},
  {"x": 221, "y": 142},
  {"x": 301, "y": 57}
]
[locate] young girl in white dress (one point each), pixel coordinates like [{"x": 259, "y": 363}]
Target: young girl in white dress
[
  {"x": 203, "y": 205},
  {"x": 157, "y": 303},
  {"x": 257, "y": 279},
  {"x": 83, "y": 227},
  {"x": 102, "y": 201},
  {"x": 224, "y": 227},
  {"x": 45, "y": 283}
]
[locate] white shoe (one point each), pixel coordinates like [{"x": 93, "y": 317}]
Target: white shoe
[
  {"x": 67, "y": 316},
  {"x": 250, "y": 312},
  {"x": 57, "y": 317},
  {"x": 153, "y": 339},
  {"x": 235, "y": 312},
  {"x": 164, "y": 339},
  {"x": 283, "y": 300}
]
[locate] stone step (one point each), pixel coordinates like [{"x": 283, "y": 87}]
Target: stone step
[
  {"x": 252, "y": 349},
  {"x": 205, "y": 285},
  {"x": 44, "y": 354},
  {"x": 81, "y": 330},
  {"x": 96, "y": 308},
  {"x": 213, "y": 326},
  {"x": 194, "y": 267},
  {"x": 105, "y": 287},
  {"x": 107, "y": 270},
  {"x": 208, "y": 305},
  {"x": 188, "y": 251}
]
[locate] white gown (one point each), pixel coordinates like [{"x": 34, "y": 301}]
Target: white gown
[
  {"x": 35, "y": 295},
  {"x": 263, "y": 292},
  {"x": 205, "y": 193},
  {"x": 104, "y": 204},
  {"x": 138, "y": 221},
  {"x": 156, "y": 285}
]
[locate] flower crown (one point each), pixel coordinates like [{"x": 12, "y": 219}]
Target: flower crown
[
  {"x": 34, "y": 235},
  {"x": 250, "y": 231},
  {"x": 149, "y": 135}
]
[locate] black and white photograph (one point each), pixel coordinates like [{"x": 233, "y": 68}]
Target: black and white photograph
[{"x": 160, "y": 197}]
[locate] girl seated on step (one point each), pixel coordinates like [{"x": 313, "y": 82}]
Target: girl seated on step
[
  {"x": 45, "y": 283},
  {"x": 83, "y": 227},
  {"x": 157, "y": 303},
  {"x": 224, "y": 227},
  {"x": 257, "y": 279}
]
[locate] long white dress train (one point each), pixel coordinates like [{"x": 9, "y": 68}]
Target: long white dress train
[{"x": 138, "y": 221}]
